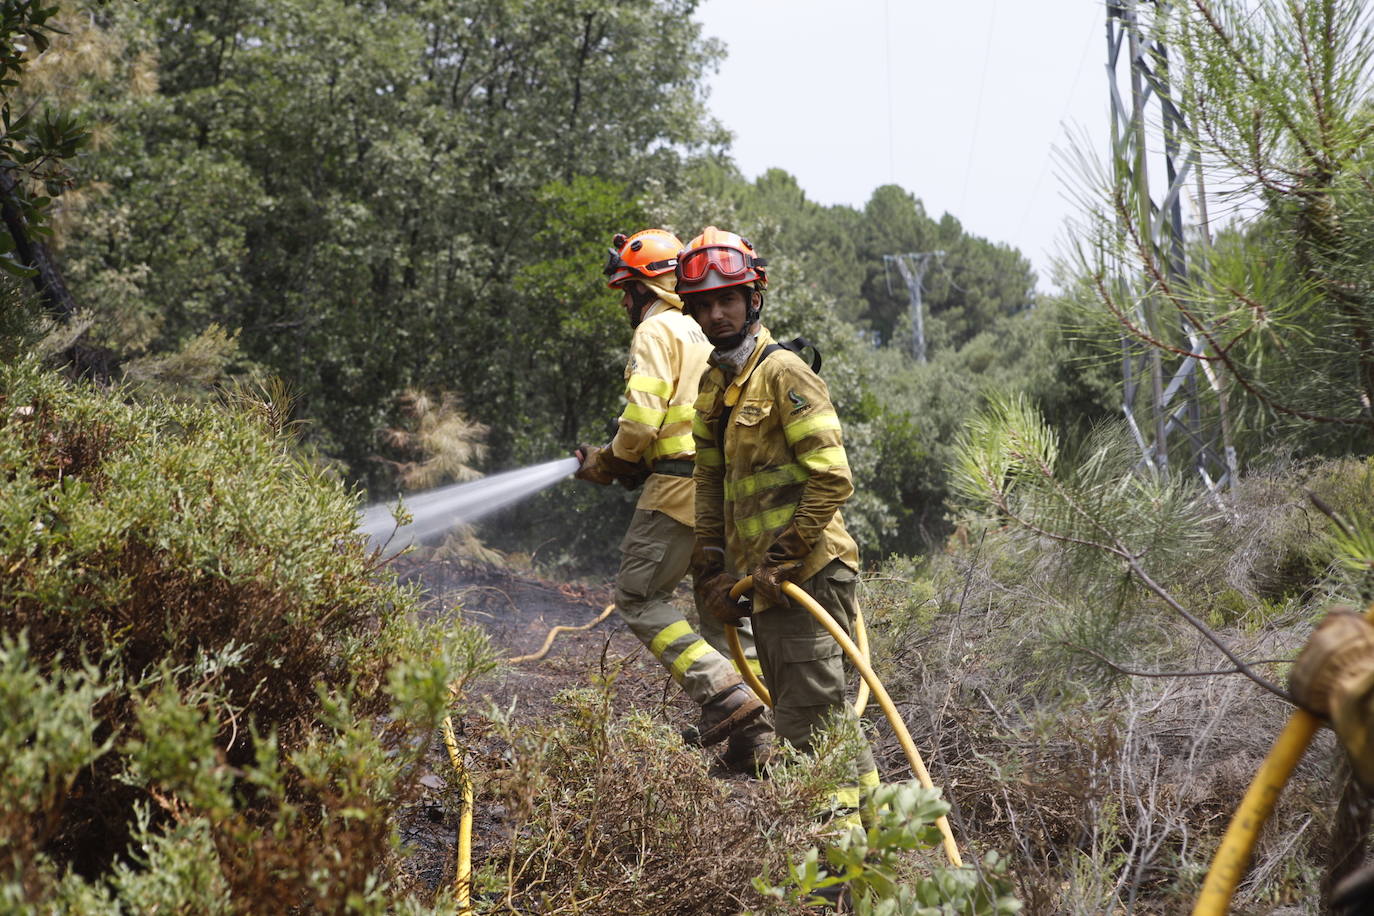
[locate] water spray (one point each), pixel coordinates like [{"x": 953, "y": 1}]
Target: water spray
[{"x": 436, "y": 511}]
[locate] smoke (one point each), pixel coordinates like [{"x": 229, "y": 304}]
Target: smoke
[{"x": 436, "y": 511}]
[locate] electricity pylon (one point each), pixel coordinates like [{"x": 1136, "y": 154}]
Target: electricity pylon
[
  {"x": 912, "y": 267},
  {"x": 1157, "y": 384}
]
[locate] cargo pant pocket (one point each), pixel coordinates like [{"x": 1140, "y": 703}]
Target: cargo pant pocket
[
  {"x": 812, "y": 671},
  {"x": 639, "y": 566}
]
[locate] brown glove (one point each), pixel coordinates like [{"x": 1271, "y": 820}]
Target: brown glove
[
  {"x": 591, "y": 468},
  {"x": 708, "y": 558},
  {"x": 1334, "y": 678},
  {"x": 780, "y": 563},
  {"x": 714, "y": 596},
  {"x": 600, "y": 465}
]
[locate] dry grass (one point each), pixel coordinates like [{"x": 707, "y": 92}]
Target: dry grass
[
  {"x": 1110, "y": 791},
  {"x": 610, "y": 814}
]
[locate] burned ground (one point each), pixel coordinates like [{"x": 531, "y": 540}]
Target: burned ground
[{"x": 517, "y": 611}]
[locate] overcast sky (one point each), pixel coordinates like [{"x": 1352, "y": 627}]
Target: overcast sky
[{"x": 960, "y": 104}]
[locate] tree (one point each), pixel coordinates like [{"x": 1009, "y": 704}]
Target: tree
[
  {"x": 1277, "y": 309},
  {"x": 35, "y": 150},
  {"x": 355, "y": 187},
  {"x": 966, "y": 288}
]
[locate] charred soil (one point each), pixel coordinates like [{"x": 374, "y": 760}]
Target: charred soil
[{"x": 517, "y": 612}]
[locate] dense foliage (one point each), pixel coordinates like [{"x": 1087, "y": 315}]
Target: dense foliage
[
  {"x": 396, "y": 213},
  {"x": 364, "y": 203},
  {"x": 193, "y": 650}
]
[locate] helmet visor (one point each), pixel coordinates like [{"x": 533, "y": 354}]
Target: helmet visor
[{"x": 728, "y": 262}]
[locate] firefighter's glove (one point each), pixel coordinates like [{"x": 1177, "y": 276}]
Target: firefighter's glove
[
  {"x": 708, "y": 558},
  {"x": 600, "y": 465},
  {"x": 1334, "y": 678},
  {"x": 593, "y": 466},
  {"x": 714, "y": 594},
  {"x": 780, "y": 564},
  {"x": 634, "y": 478}
]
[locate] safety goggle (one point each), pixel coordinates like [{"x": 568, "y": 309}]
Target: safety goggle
[
  {"x": 617, "y": 263},
  {"x": 728, "y": 262}
]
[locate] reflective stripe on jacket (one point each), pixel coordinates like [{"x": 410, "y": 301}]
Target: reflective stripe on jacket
[
  {"x": 783, "y": 462},
  {"x": 667, "y": 358}
]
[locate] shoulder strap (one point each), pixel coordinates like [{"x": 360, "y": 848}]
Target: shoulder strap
[{"x": 795, "y": 345}]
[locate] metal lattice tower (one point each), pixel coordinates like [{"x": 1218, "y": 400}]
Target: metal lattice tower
[
  {"x": 1175, "y": 429},
  {"x": 912, "y": 267}
]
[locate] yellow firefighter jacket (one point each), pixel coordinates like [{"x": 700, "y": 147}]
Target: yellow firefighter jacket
[
  {"x": 667, "y": 358},
  {"x": 783, "y": 462}
]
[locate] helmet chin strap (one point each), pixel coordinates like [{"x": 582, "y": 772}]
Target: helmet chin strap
[{"x": 640, "y": 299}]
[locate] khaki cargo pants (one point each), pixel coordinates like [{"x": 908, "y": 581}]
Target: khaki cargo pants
[
  {"x": 804, "y": 668},
  {"x": 654, "y": 557}
]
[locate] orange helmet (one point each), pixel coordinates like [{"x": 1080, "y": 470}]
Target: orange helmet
[
  {"x": 647, "y": 253},
  {"x": 717, "y": 259}
]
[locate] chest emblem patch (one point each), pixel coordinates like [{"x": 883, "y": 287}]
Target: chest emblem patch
[{"x": 749, "y": 414}]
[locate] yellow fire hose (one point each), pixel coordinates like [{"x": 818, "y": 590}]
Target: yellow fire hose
[
  {"x": 553, "y": 633},
  {"x": 858, "y": 657},
  {"x": 463, "y": 872},
  {"x": 463, "y": 879},
  {"x": 1228, "y": 865},
  {"x": 858, "y": 654},
  {"x": 756, "y": 685},
  {"x": 1233, "y": 855}
]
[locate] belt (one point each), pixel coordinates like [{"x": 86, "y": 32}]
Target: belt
[{"x": 675, "y": 468}]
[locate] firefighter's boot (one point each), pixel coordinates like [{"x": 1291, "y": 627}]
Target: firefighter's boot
[
  {"x": 751, "y": 748},
  {"x": 723, "y": 714}
]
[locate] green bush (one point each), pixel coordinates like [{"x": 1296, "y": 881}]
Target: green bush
[
  {"x": 881, "y": 880},
  {"x": 213, "y": 697}
]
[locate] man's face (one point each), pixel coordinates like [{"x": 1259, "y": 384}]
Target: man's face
[
  {"x": 628, "y": 291},
  {"x": 721, "y": 312}
]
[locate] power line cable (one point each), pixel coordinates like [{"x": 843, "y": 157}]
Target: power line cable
[
  {"x": 949, "y": 276},
  {"x": 978, "y": 109},
  {"x": 1095, "y": 25}
]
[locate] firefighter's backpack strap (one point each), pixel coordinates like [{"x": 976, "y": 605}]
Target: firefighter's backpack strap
[{"x": 795, "y": 345}]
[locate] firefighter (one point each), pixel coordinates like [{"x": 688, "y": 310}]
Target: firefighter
[
  {"x": 771, "y": 475},
  {"x": 653, "y": 443}
]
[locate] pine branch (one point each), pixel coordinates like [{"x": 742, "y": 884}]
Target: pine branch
[
  {"x": 1130, "y": 672},
  {"x": 1111, "y": 544},
  {"x": 1222, "y": 352},
  {"x": 1243, "y": 64}
]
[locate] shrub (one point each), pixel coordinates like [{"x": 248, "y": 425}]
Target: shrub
[
  {"x": 871, "y": 863},
  {"x": 217, "y": 698},
  {"x": 611, "y": 814}
]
